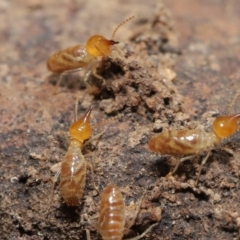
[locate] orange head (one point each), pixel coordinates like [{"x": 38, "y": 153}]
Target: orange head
[
  {"x": 224, "y": 126},
  {"x": 98, "y": 45},
  {"x": 81, "y": 129}
]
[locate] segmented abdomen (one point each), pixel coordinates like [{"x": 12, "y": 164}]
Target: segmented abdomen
[
  {"x": 182, "y": 142},
  {"x": 72, "y": 177},
  {"x": 67, "y": 59},
  {"x": 112, "y": 214}
]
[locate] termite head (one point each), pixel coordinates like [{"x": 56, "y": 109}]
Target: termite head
[
  {"x": 98, "y": 45},
  {"x": 81, "y": 129},
  {"x": 225, "y": 126}
]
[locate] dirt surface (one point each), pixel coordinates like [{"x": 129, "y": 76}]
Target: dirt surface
[{"x": 178, "y": 68}]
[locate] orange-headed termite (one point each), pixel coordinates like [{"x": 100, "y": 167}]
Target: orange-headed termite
[
  {"x": 191, "y": 142},
  {"x": 73, "y": 165},
  {"x": 85, "y": 56},
  {"x": 111, "y": 221}
]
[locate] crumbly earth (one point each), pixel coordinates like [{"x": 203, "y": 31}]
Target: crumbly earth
[{"x": 177, "y": 66}]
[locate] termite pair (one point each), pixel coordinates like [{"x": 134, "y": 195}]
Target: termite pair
[
  {"x": 86, "y": 56},
  {"x": 191, "y": 142},
  {"x": 111, "y": 221},
  {"x": 73, "y": 166},
  {"x": 72, "y": 182}
]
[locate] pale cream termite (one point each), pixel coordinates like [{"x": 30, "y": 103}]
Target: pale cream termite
[
  {"x": 112, "y": 217},
  {"x": 191, "y": 142}
]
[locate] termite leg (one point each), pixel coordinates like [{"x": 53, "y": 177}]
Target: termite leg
[
  {"x": 137, "y": 211},
  {"x": 94, "y": 71},
  {"x": 62, "y": 75},
  {"x": 135, "y": 217},
  {"x": 228, "y": 150},
  {"x": 96, "y": 137},
  {"x": 233, "y": 101},
  {"x": 94, "y": 217},
  {"x": 92, "y": 68},
  {"x": 88, "y": 234},
  {"x": 86, "y": 77},
  {"x": 93, "y": 224},
  {"x": 76, "y": 107},
  {"x": 201, "y": 166},
  {"x": 179, "y": 162},
  {"x": 53, "y": 185},
  {"x": 144, "y": 233},
  {"x": 90, "y": 165}
]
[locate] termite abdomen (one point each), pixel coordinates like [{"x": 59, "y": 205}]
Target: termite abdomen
[
  {"x": 73, "y": 174},
  {"x": 181, "y": 142},
  {"x": 112, "y": 214}
]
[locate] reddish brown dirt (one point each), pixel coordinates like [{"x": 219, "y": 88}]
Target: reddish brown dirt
[{"x": 179, "y": 68}]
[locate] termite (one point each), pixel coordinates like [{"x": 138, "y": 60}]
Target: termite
[
  {"x": 191, "y": 142},
  {"x": 111, "y": 221},
  {"x": 86, "y": 56},
  {"x": 73, "y": 166}
]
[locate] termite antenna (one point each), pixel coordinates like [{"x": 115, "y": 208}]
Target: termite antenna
[
  {"x": 122, "y": 23},
  {"x": 233, "y": 102},
  {"x": 76, "y": 108}
]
